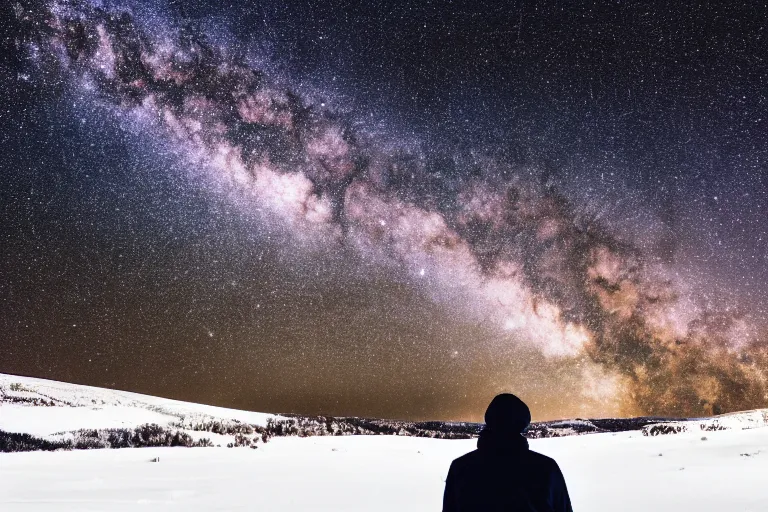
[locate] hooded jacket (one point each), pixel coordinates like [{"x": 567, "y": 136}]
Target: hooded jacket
[{"x": 504, "y": 475}]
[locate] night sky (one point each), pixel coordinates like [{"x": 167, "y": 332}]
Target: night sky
[{"x": 389, "y": 209}]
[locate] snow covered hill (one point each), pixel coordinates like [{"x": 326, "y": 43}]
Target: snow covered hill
[
  {"x": 734, "y": 421},
  {"x": 23, "y": 391},
  {"x": 51, "y": 410},
  {"x": 56, "y": 410},
  {"x": 711, "y": 464}
]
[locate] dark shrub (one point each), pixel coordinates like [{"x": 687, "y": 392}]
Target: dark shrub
[{"x": 15, "y": 442}]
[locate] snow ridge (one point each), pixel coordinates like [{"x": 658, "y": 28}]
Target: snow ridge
[{"x": 61, "y": 415}]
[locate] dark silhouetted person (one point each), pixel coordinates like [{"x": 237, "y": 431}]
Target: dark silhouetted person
[{"x": 503, "y": 474}]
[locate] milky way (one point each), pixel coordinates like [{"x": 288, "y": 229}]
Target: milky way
[{"x": 384, "y": 273}]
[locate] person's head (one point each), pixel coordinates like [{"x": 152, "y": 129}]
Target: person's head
[{"x": 507, "y": 413}]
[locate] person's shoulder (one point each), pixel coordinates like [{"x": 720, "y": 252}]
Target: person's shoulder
[
  {"x": 542, "y": 460},
  {"x": 467, "y": 459}
]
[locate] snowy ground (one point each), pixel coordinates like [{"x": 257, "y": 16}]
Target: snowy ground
[
  {"x": 605, "y": 472},
  {"x": 727, "y": 471}
]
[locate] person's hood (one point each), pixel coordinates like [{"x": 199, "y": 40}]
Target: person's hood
[{"x": 507, "y": 412}]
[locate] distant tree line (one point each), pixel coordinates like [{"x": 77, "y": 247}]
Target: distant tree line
[
  {"x": 149, "y": 435},
  {"x": 250, "y": 435},
  {"x": 15, "y": 442}
]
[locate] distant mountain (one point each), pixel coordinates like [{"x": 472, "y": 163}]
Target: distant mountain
[{"x": 38, "y": 414}]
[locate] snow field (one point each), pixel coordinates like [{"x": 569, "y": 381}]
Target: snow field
[{"x": 605, "y": 472}]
